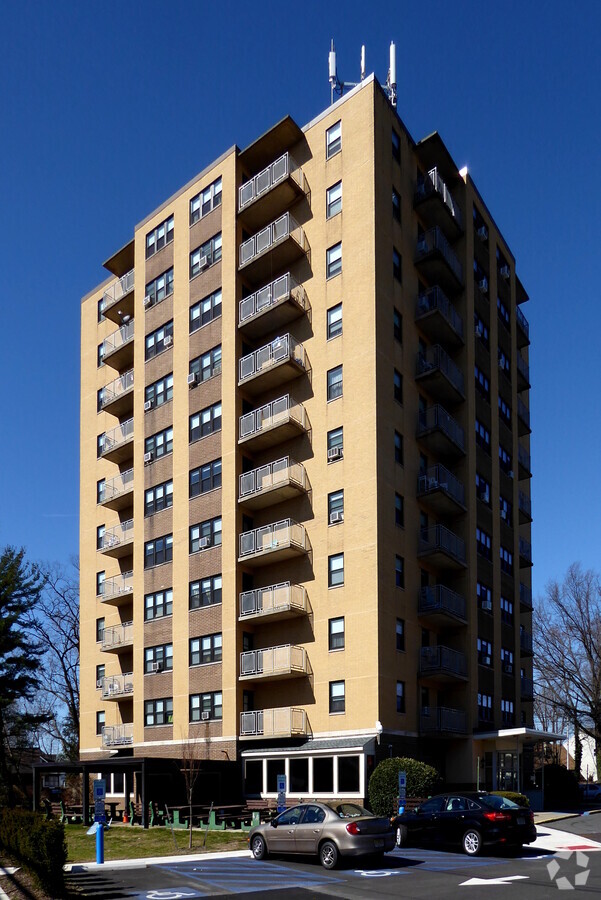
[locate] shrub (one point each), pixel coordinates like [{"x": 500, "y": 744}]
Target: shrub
[
  {"x": 520, "y": 799},
  {"x": 422, "y": 780},
  {"x": 561, "y": 788},
  {"x": 37, "y": 843}
]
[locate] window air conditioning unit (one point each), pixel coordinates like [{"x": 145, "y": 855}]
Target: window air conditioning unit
[
  {"x": 156, "y": 667},
  {"x": 483, "y": 285},
  {"x": 483, "y": 233},
  {"x": 148, "y": 457},
  {"x": 192, "y": 379},
  {"x": 334, "y": 453},
  {"x": 508, "y": 668},
  {"x": 510, "y": 473},
  {"x": 168, "y": 340},
  {"x": 486, "y": 660},
  {"x": 99, "y": 683},
  {"x": 478, "y": 331},
  {"x": 336, "y": 516},
  {"x": 205, "y": 715},
  {"x": 147, "y": 301},
  {"x": 147, "y": 405},
  {"x": 204, "y": 261},
  {"x": 505, "y": 272},
  {"x": 204, "y": 543},
  {"x": 504, "y": 514}
]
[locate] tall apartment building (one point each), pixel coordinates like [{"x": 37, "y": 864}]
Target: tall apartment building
[{"x": 305, "y": 502}]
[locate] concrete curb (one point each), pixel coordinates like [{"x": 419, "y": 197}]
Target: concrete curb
[{"x": 152, "y": 861}]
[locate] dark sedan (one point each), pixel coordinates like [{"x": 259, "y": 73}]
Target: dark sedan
[{"x": 470, "y": 820}]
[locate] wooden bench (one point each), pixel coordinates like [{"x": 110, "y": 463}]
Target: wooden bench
[{"x": 135, "y": 813}]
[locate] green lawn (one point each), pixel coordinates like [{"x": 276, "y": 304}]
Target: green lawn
[{"x": 133, "y": 842}]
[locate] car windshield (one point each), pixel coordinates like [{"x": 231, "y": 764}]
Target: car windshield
[
  {"x": 494, "y": 802},
  {"x": 350, "y": 810}
]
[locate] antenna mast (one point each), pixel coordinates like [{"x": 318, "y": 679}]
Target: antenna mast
[{"x": 337, "y": 86}]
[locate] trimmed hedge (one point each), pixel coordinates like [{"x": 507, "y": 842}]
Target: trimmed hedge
[
  {"x": 37, "y": 843},
  {"x": 520, "y": 799},
  {"x": 383, "y": 789}
]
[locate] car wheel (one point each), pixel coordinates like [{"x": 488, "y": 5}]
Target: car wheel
[
  {"x": 401, "y": 835},
  {"x": 328, "y": 854},
  {"x": 258, "y": 847},
  {"x": 472, "y": 842}
]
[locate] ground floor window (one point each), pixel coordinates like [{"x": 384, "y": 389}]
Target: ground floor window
[{"x": 319, "y": 775}]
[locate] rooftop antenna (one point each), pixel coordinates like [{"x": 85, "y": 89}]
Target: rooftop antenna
[
  {"x": 391, "y": 80},
  {"x": 337, "y": 86}
]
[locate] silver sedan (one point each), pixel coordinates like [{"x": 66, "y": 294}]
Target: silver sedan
[{"x": 328, "y": 830}]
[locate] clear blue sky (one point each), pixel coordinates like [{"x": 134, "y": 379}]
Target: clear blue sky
[{"x": 107, "y": 108}]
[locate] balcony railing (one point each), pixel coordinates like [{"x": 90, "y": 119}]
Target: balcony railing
[
  {"x": 524, "y": 414},
  {"x": 434, "y": 360},
  {"x": 269, "y": 178},
  {"x": 525, "y": 642},
  {"x": 118, "y": 735},
  {"x": 437, "y": 418},
  {"x": 523, "y": 369},
  {"x": 274, "y": 600},
  {"x": 114, "y": 538},
  {"x": 284, "y": 349},
  {"x": 117, "y": 587},
  {"x": 525, "y": 504},
  {"x": 118, "y": 290},
  {"x": 522, "y": 323},
  {"x": 117, "y": 437},
  {"x": 287, "y": 659},
  {"x": 118, "y": 339},
  {"x": 282, "y": 722},
  {"x": 281, "y": 474},
  {"x": 284, "y": 535},
  {"x": 525, "y": 551},
  {"x": 433, "y": 183},
  {"x": 526, "y": 688},
  {"x": 116, "y": 487},
  {"x": 441, "y": 599},
  {"x": 283, "y": 411},
  {"x": 439, "y": 540},
  {"x": 286, "y": 287},
  {"x": 116, "y": 389},
  {"x": 524, "y": 460},
  {"x": 525, "y": 596},
  {"x": 443, "y": 660},
  {"x": 442, "y": 719},
  {"x": 438, "y": 478},
  {"x": 269, "y": 237},
  {"x": 434, "y": 241},
  {"x": 433, "y": 300},
  {"x": 117, "y": 686},
  {"x": 117, "y": 636}
]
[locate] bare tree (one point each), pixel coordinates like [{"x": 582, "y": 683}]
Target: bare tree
[{"x": 191, "y": 763}]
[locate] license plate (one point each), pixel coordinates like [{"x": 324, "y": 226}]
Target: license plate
[
  {"x": 521, "y": 820},
  {"x": 378, "y": 843}
]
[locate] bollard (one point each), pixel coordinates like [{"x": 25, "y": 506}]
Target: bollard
[{"x": 98, "y": 829}]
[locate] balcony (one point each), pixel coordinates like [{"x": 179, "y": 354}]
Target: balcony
[
  {"x": 119, "y": 590},
  {"x": 523, "y": 373},
  {"x": 118, "y": 443},
  {"x": 436, "y": 203},
  {"x": 278, "y": 421},
  {"x": 440, "y": 491},
  {"x": 439, "y": 432},
  {"x": 117, "y": 493},
  {"x": 524, "y": 470},
  {"x": 270, "y": 366},
  {"x": 442, "y": 664},
  {"x": 525, "y": 643},
  {"x": 117, "y": 397},
  {"x": 273, "y": 189},
  {"x": 274, "y": 248},
  {"x": 118, "y": 735},
  {"x": 441, "y": 547},
  {"x": 277, "y": 601},
  {"x": 525, "y": 553},
  {"x": 118, "y": 300},
  {"x": 523, "y": 418},
  {"x": 525, "y": 598},
  {"x": 274, "y": 723},
  {"x": 270, "y": 543},
  {"x": 118, "y": 638},
  {"x": 439, "y": 605},
  {"x": 272, "y": 306},
  {"x": 525, "y": 508},
  {"x": 526, "y": 689},
  {"x": 523, "y": 328},
  {"x": 118, "y": 541},
  {"x": 116, "y": 687},
  {"x": 118, "y": 347},
  {"x": 276, "y": 663},
  {"x": 437, "y": 372},
  {"x": 442, "y": 720},
  {"x": 273, "y": 483},
  {"x": 436, "y": 260},
  {"x": 438, "y": 318}
]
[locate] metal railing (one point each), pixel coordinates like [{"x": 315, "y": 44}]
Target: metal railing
[
  {"x": 116, "y": 388},
  {"x": 434, "y": 240},
  {"x": 525, "y": 596},
  {"x": 523, "y": 368},
  {"x": 524, "y": 458},
  {"x": 117, "y": 685},
  {"x": 118, "y": 338},
  {"x": 118, "y": 290},
  {"x": 526, "y": 688},
  {"x": 278, "y": 412},
  {"x": 443, "y": 718},
  {"x": 523, "y": 413},
  {"x": 264, "y": 478},
  {"x": 438, "y": 598},
  {"x": 273, "y": 660},
  {"x": 117, "y": 735},
  {"x": 263, "y": 241},
  {"x": 284, "y": 721},
  {"x": 273, "y": 599},
  {"x": 525, "y": 549},
  {"x": 269, "y": 178},
  {"x": 117, "y": 636},
  {"x": 525, "y": 641},
  {"x": 522, "y": 321},
  {"x": 435, "y": 358},
  {"x": 433, "y": 183},
  {"x": 117, "y": 436},
  {"x": 438, "y": 538},
  {"x": 438, "y": 478},
  {"x": 437, "y": 417},
  {"x": 524, "y": 504},
  {"x": 442, "y": 659},
  {"x": 116, "y": 486},
  {"x": 283, "y": 288},
  {"x": 434, "y": 299},
  {"x": 117, "y": 586},
  {"x": 279, "y": 350},
  {"x": 286, "y": 533},
  {"x": 120, "y": 534}
]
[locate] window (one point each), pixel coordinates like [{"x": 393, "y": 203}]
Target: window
[
  {"x": 333, "y": 140},
  {"x": 205, "y": 255},
  {"x": 507, "y": 713},
  {"x": 100, "y": 672},
  {"x": 160, "y": 392},
  {"x": 485, "y": 707},
  {"x": 482, "y": 383},
  {"x": 158, "y": 551},
  {"x": 158, "y": 497},
  {"x": 400, "y": 696},
  {"x": 334, "y": 260},
  {"x": 335, "y": 444},
  {"x": 482, "y": 436},
  {"x": 100, "y": 536},
  {"x": 336, "y": 634},
  {"x": 159, "y": 237},
  {"x": 99, "y": 630},
  {"x": 100, "y": 355},
  {"x": 205, "y": 649},
  {"x": 207, "y": 421},
  {"x": 334, "y": 200},
  {"x": 206, "y": 201},
  {"x": 205, "y": 592},
  {"x": 400, "y": 634},
  {"x": 396, "y": 146},
  {"x": 335, "y": 507},
  {"x": 396, "y": 205},
  {"x": 397, "y": 325},
  {"x": 506, "y": 611},
  {"x": 505, "y": 411},
  {"x": 205, "y": 311},
  {"x": 337, "y": 699},
  {"x": 484, "y": 596},
  {"x": 483, "y": 543},
  {"x": 397, "y": 264},
  {"x": 481, "y": 330},
  {"x": 159, "y": 444},
  {"x": 334, "y": 327},
  {"x": 504, "y": 363},
  {"x": 158, "y": 712},
  {"x": 399, "y": 511},
  {"x": 399, "y": 571},
  {"x": 398, "y": 387},
  {"x": 158, "y": 605},
  {"x": 99, "y": 583},
  {"x": 206, "y": 534},
  {"x": 205, "y": 478},
  {"x": 158, "y": 659},
  {"x": 507, "y": 660},
  {"x": 503, "y": 313},
  {"x": 482, "y": 489},
  {"x": 506, "y": 557},
  {"x": 159, "y": 288},
  {"x": 155, "y": 341},
  {"x": 484, "y": 652},
  {"x": 100, "y": 718},
  {"x": 207, "y": 365},
  {"x": 100, "y": 489},
  {"x": 335, "y": 383},
  {"x": 505, "y": 461},
  {"x": 506, "y": 509},
  {"x": 398, "y": 448},
  {"x": 201, "y": 704},
  {"x": 336, "y": 570}
]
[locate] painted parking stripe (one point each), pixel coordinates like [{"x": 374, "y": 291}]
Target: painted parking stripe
[{"x": 245, "y": 876}]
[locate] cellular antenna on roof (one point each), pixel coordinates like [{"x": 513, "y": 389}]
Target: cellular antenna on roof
[
  {"x": 391, "y": 80},
  {"x": 337, "y": 86}
]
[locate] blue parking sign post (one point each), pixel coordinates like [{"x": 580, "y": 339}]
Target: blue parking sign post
[
  {"x": 281, "y": 793},
  {"x": 99, "y": 816},
  {"x": 402, "y": 791}
]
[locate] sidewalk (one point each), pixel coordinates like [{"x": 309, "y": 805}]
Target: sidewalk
[
  {"x": 541, "y": 817},
  {"x": 153, "y": 860}
]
